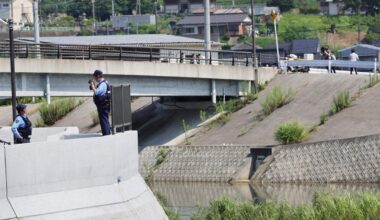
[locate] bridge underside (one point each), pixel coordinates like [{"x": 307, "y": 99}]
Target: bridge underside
[{"x": 42, "y": 84}]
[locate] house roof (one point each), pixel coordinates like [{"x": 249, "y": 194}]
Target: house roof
[
  {"x": 299, "y": 46},
  {"x": 244, "y": 47},
  {"x": 215, "y": 19},
  {"x": 134, "y": 40},
  {"x": 364, "y": 50}
]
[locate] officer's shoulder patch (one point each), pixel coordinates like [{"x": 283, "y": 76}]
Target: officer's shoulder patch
[{"x": 17, "y": 120}]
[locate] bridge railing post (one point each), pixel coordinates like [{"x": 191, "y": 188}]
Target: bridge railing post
[
  {"x": 246, "y": 60},
  {"x": 90, "y": 52},
  {"x": 210, "y": 58},
  {"x": 27, "y": 51},
  {"x": 233, "y": 59},
  {"x": 59, "y": 52},
  {"x": 120, "y": 53},
  {"x": 150, "y": 55},
  {"x": 375, "y": 67}
]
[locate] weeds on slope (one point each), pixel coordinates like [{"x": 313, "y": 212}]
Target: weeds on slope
[
  {"x": 291, "y": 133},
  {"x": 276, "y": 99},
  {"x": 341, "y": 101},
  {"x": 56, "y": 110},
  {"x": 324, "y": 206}
]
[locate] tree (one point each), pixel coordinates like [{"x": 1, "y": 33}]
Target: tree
[
  {"x": 284, "y": 5},
  {"x": 372, "y": 7}
]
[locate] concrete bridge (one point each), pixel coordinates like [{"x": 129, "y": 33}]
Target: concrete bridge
[{"x": 65, "y": 77}]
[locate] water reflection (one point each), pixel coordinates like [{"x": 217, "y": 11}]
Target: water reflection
[{"x": 185, "y": 198}]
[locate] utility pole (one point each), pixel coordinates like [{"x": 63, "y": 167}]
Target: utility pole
[
  {"x": 207, "y": 36},
  {"x": 36, "y": 27},
  {"x": 113, "y": 7},
  {"x": 12, "y": 62},
  {"x": 138, "y": 7},
  {"x": 358, "y": 15},
  {"x": 93, "y": 16},
  {"x": 155, "y": 15},
  {"x": 254, "y": 55}
]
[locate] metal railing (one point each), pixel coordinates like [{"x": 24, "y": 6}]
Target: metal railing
[
  {"x": 330, "y": 64},
  {"x": 128, "y": 53}
]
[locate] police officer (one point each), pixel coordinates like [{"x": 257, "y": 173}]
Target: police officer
[
  {"x": 22, "y": 127},
  {"x": 102, "y": 100}
]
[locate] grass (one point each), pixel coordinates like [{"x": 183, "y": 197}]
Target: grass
[
  {"x": 161, "y": 157},
  {"x": 341, "y": 101},
  {"x": 276, "y": 99},
  {"x": 58, "y": 109},
  {"x": 291, "y": 133},
  {"x": 365, "y": 206},
  {"x": 94, "y": 118},
  {"x": 323, "y": 117},
  {"x": 203, "y": 115},
  {"x": 373, "y": 80},
  {"x": 186, "y": 128}
]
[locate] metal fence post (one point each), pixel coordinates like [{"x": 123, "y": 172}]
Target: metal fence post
[
  {"x": 120, "y": 53},
  {"x": 246, "y": 60},
  {"x": 210, "y": 60},
  {"x": 150, "y": 55},
  {"x": 329, "y": 65},
  {"x": 59, "y": 52},
  {"x": 233, "y": 59},
  {"x": 27, "y": 51},
  {"x": 89, "y": 52},
  {"x": 375, "y": 67}
]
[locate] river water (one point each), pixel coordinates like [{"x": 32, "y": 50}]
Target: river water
[{"x": 186, "y": 198}]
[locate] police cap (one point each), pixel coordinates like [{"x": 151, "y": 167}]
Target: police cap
[
  {"x": 20, "y": 107},
  {"x": 98, "y": 73}
]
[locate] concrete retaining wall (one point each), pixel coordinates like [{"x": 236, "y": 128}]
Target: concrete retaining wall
[
  {"x": 87, "y": 178},
  {"x": 347, "y": 160}
]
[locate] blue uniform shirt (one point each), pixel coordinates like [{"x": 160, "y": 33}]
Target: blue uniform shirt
[
  {"x": 18, "y": 123},
  {"x": 102, "y": 89}
]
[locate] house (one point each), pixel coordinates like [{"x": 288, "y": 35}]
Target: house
[
  {"x": 20, "y": 10},
  {"x": 123, "y": 21},
  {"x": 366, "y": 52},
  {"x": 300, "y": 48},
  {"x": 332, "y": 7},
  {"x": 221, "y": 24},
  {"x": 184, "y": 6}
]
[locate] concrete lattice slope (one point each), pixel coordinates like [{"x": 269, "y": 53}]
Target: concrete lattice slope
[
  {"x": 314, "y": 94},
  {"x": 362, "y": 118}
]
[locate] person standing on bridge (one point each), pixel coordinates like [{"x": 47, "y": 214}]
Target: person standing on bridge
[
  {"x": 102, "y": 100},
  {"x": 354, "y": 57},
  {"x": 22, "y": 127}
]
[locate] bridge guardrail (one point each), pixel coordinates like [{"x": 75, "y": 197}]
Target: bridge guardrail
[
  {"x": 128, "y": 53},
  {"x": 328, "y": 64}
]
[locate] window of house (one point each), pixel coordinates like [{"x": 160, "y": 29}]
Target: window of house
[
  {"x": 6, "y": 5},
  {"x": 189, "y": 30}
]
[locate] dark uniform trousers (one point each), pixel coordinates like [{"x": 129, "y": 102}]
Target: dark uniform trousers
[{"x": 103, "y": 113}]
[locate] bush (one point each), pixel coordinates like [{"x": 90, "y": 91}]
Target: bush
[
  {"x": 57, "y": 109},
  {"x": 324, "y": 206},
  {"x": 323, "y": 117},
  {"x": 276, "y": 99},
  {"x": 341, "y": 101},
  {"x": 291, "y": 133}
]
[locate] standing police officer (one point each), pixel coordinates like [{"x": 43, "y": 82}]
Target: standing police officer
[
  {"x": 22, "y": 127},
  {"x": 102, "y": 100}
]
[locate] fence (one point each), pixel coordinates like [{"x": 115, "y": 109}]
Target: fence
[
  {"x": 128, "y": 53},
  {"x": 330, "y": 64}
]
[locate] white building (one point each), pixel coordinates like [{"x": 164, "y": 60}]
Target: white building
[{"x": 20, "y": 10}]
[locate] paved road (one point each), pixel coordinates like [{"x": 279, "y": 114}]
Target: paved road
[{"x": 314, "y": 96}]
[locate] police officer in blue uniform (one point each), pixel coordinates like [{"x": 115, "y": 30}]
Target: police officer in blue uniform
[
  {"x": 102, "y": 100},
  {"x": 22, "y": 127}
]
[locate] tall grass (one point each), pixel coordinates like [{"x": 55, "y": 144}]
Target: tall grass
[
  {"x": 341, "y": 101},
  {"x": 291, "y": 133},
  {"x": 57, "y": 109},
  {"x": 276, "y": 99},
  {"x": 324, "y": 207}
]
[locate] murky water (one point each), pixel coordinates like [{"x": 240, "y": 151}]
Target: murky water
[{"x": 185, "y": 198}]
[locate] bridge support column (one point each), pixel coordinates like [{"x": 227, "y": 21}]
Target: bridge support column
[
  {"x": 47, "y": 92},
  {"x": 213, "y": 91}
]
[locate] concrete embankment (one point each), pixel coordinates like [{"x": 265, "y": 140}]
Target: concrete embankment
[
  {"x": 71, "y": 176},
  {"x": 314, "y": 95}
]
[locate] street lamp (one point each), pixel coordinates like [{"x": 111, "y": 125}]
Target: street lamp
[{"x": 12, "y": 62}]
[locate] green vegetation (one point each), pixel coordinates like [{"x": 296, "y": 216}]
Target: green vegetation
[
  {"x": 243, "y": 131},
  {"x": 276, "y": 99},
  {"x": 164, "y": 204},
  {"x": 202, "y": 115},
  {"x": 373, "y": 80},
  {"x": 161, "y": 157},
  {"x": 324, "y": 207},
  {"x": 58, "y": 109},
  {"x": 323, "y": 117},
  {"x": 186, "y": 128},
  {"x": 291, "y": 133},
  {"x": 94, "y": 118},
  {"x": 341, "y": 101}
]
